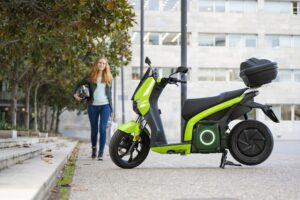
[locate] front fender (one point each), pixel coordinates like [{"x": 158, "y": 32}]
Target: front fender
[{"x": 130, "y": 127}]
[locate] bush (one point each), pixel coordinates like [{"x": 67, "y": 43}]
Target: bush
[{"x": 5, "y": 126}]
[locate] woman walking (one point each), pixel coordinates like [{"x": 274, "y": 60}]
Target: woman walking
[{"x": 99, "y": 83}]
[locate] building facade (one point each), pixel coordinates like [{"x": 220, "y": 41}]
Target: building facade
[{"x": 221, "y": 35}]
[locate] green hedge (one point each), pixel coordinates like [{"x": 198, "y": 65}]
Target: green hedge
[{"x": 5, "y": 126}]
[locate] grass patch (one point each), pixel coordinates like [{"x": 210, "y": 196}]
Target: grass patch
[{"x": 64, "y": 184}]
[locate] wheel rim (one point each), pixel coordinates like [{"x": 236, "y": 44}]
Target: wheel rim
[
  {"x": 124, "y": 146},
  {"x": 251, "y": 142}
]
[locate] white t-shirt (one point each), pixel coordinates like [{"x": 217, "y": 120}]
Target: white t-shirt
[{"x": 100, "y": 97}]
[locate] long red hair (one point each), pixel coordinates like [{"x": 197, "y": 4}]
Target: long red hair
[{"x": 106, "y": 75}]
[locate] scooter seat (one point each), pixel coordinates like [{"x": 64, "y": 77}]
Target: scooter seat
[{"x": 192, "y": 107}]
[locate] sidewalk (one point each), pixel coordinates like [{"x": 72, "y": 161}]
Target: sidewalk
[{"x": 191, "y": 177}]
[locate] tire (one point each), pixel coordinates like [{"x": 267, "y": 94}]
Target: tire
[
  {"x": 250, "y": 142},
  {"x": 119, "y": 146}
]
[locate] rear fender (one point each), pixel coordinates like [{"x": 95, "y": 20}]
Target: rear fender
[{"x": 267, "y": 109}]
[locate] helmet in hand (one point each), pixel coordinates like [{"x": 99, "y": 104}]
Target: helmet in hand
[{"x": 83, "y": 92}]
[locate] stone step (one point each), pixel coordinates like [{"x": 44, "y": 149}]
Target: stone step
[
  {"x": 17, "y": 142},
  {"x": 21, "y": 141},
  {"x": 15, "y": 155},
  {"x": 34, "y": 178}
]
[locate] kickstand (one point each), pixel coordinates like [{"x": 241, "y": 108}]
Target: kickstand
[{"x": 226, "y": 162}]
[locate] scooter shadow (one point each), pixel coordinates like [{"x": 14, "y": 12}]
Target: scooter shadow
[{"x": 184, "y": 168}]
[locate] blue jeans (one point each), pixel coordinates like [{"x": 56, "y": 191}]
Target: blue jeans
[{"x": 94, "y": 113}]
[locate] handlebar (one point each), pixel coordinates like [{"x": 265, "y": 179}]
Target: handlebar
[{"x": 172, "y": 80}]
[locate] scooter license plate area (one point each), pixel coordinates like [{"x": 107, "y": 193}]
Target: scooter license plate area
[{"x": 206, "y": 138}]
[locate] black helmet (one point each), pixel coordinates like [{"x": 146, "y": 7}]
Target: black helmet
[{"x": 83, "y": 92}]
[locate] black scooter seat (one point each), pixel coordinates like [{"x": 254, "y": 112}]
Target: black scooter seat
[{"x": 192, "y": 107}]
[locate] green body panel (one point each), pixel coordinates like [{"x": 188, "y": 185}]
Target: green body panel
[
  {"x": 131, "y": 127},
  {"x": 158, "y": 80},
  {"x": 143, "y": 95},
  {"x": 186, "y": 148},
  {"x": 191, "y": 123}
]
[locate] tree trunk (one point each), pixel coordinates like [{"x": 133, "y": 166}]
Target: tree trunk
[
  {"x": 27, "y": 104},
  {"x": 58, "y": 112},
  {"x": 41, "y": 117},
  {"x": 46, "y": 117},
  {"x": 35, "y": 107},
  {"x": 52, "y": 118},
  {"x": 14, "y": 102}
]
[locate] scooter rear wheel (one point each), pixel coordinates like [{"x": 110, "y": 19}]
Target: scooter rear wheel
[
  {"x": 250, "y": 142},
  {"x": 119, "y": 149}
]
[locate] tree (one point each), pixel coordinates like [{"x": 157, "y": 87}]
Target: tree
[{"x": 45, "y": 41}]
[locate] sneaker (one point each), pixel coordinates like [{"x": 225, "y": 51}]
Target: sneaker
[
  {"x": 94, "y": 150},
  {"x": 100, "y": 156}
]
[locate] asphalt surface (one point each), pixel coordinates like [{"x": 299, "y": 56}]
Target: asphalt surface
[{"x": 191, "y": 177}]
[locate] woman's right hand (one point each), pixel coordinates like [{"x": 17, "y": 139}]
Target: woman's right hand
[{"x": 77, "y": 97}]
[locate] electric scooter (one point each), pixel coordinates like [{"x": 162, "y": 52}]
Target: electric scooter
[{"x": 206, "y": 129}]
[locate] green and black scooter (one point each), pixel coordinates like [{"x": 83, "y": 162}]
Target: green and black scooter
[{"x": 206, "y": 130}]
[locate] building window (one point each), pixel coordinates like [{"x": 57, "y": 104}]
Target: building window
[
  {"x": 212, "y": 40},
  {"x": 250, "y": 6},
  {"x": 297, "y": 41},
  {"x": 276, "y": 41},
  {"x": 296, "y": 7},
  {"x": 151, "y": 5},
  {"x": 219, "y": 6},
  {"x": 242, "y": 6},
  {"x": 151, "y": 38},
  {"x": 284, "y": 75},
  {"x": 135, "y": 38},
  {"x": 206, "y": 6},
  {"x": 297, "y": 113},
  {"x": 163, "y": 38},
  {"x": 206, "y": 40},
  {"x": 212, "y": 74},
  {"x": 170, "y": 38},
  {"x": 297, "y": 76},
  {"x": 136, "y": 4},
  {"x": 236, "y": 6},
  {"x": 234, "y": 75},
  {"x": 278, "y": 7},
  {"x": 135, "y": 73},
  {"x": 282, "y": 112},
  {"x": 236, "y": 40},
  {"x": 171, "y": 5},
  {"x": 286, "y": 112},
  {"x": 211, "y": 5},
  {"x": 220, "y": 40}
]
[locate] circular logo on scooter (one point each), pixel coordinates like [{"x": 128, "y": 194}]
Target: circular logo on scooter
[{"x": 207, "y": 137}]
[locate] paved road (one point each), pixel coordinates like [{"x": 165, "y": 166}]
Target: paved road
[{"x": 192, "y": 177}]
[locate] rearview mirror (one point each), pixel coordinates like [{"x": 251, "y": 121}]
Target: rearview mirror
[
  {"x": 182, "y": 70},
  {"x": 148, "y": 61}
]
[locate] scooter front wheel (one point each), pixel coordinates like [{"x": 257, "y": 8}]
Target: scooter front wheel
[
  {"x": 250, "y": 142},
  {"x": 128, "y": 154}
]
